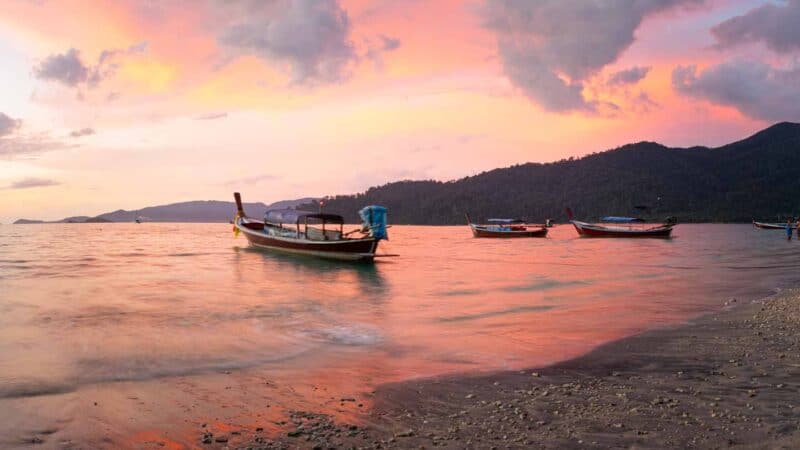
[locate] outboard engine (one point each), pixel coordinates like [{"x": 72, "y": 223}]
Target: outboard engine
[{"x": 374, "y": 218}]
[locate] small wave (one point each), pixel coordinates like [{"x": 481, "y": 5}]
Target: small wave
[
  {"x": 47, "y": 274},
  {"x": 502, "y": 312},
  {"x": 358, "y": 335},
  {"x": 460, "y": 292},
  {"x": 15, "y": 266},
  {"x": 763, "y": 266},
  {"x": 34, "y": 389},
  {"x": 99, "y": 371},
  {"x": 544, "y": 284},
  {"x": 95, "y": 371}
]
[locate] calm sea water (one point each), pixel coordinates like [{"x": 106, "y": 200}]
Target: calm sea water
[{"x": 132, "y": 335}]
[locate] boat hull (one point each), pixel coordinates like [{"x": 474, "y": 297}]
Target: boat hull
[
  {"x": 770, "y": 226},
  {"x": 343, "y": 250},
  {"x": 480, "y": 232},
  {"x": 600, "y": 231}
]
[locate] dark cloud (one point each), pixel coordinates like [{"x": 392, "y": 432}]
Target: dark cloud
[
  {"x": 212, "y": 116},
  {"x": 107, "y": 55},
  {"x": 390, "y": 43},
  {"x": 8, "y": 125},
  {"x": 311, "y": 37},
  {"x": 70, "y": 69},
  {"x": 28, "y": 145},
  {"x": 404, "y": 9},
  {"x": 645, "y": 99},
  {"x": 66, "y": 68},
  {"x": 14, "y": 144},
  {"x": 776, "y": 25},
  {"x": 642, "y": 103},
  {"x": 82, "y": 132},
  {"x": 756, "y": 89},
  {"x": 139, "y": 47},
  {"x": 27, "y": 183},
  {"x": 549, "y": 48},
  {"x": 375, "y": 52},
  {"x": 628, "y": 76}
]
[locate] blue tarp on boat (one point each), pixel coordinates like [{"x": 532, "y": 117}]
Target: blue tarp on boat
[
  {"x": 498, "y": 228},
  {"x": 617, "y": 219},
  {"x": 374, "y": 218},
  {"x": 506, "y": 220}
]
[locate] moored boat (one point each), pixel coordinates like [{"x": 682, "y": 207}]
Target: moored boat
[
  {"x": 506, "y": 228},
  {"x": 313, "y": 234},
  {"x": 587, "y": 229},
  {"x": 771, "y": 225}
]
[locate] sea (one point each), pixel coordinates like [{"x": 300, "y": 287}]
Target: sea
[{"x": 144, "y": 335}]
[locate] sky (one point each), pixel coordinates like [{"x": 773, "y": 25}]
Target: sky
[{"x": 126, "y": 104}]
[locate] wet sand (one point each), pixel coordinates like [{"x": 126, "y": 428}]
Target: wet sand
[{"x": 727, "y": 379}]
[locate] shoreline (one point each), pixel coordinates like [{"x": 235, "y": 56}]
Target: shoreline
[{"x": 725, "y": 379}]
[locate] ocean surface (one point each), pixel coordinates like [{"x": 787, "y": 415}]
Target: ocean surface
[{"x": 125, "y": 335}]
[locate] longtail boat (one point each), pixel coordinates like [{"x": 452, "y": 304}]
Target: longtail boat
[
  {"x": 586, "y": 229},
  {"x": 309, "y": 233},
  {"x": 506, "y": 228},
  {"x": 771, "y": 225}
]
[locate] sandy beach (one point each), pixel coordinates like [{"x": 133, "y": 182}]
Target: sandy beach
[{"x": 728, "y": 379}]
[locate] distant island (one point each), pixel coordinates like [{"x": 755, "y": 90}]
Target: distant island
[
  {"x": 758, "y": 177},
  {"x": 201, "y": 211}
]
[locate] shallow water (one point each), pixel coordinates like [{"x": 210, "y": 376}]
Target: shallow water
[{"x": 130, "y": 335}]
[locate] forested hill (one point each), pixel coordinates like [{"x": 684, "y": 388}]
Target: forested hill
[{"x": 758, "y": 177}]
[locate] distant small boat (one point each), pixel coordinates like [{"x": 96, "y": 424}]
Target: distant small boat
[
  {"x": 587, "y": 229},
  {"x": 309, "y": 233},
  {"x": 506, "y": 228},
  {"x": 771, "y": 226}
]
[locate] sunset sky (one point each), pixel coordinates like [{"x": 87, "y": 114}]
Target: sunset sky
[{"x": 126, "y": 104}]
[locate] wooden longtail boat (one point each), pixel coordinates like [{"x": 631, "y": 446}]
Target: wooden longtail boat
[
  {"x": 586, "y": 229},
  {"x": 506, "y": 228},
  {"x": 305, "y": 233},
  {"x": 771, "y": 225}
]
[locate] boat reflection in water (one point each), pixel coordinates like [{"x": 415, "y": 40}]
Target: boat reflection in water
[{"x": 365, "y": 279}]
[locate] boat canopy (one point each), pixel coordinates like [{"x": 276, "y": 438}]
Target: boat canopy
[
  {"x": 616, "y": 219},
  {"x": 506, "y": 220},
  {"x": 296, "y": 216}
]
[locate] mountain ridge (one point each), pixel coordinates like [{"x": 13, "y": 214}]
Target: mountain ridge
[
  {"x": 751, "y": 178},
  {"x": 197, "y": 211},
  {"x": 755, "y": 177}
]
